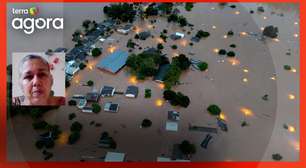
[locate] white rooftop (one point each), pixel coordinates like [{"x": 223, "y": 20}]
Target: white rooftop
[
  {"x": 114, "y": 157},
  {"x": 171, "y": 126}
]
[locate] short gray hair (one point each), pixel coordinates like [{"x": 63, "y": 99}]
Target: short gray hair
[{"x": 31, "y": 57}]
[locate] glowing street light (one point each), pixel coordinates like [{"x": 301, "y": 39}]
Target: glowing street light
[
  {"x": 246, "y": 111},
  {"x": 245, "y": 80},
  {"x": 216, "y": 50},
  {"x": 291, "y": 129},
  {"x": 222, "y": 116},
  {"x": 237, "y": 12},
  {"x": 273, "y": 78},
  {"x": 159, "y": 102},
  {"x": 214, "y": 27},
  {"x": 63, "y": 138},
  {"x": 245, "y": 70},
  {"x": 291, "y": 97},
  {"x": 295, "y": 35},
  {"x": 276, "y": 39},
  {"x": 161, "y": 86},
  {"x": 133, "y": 80},
  {"x": 243, "y": 33},
  {"x": 293, "y": 70}
]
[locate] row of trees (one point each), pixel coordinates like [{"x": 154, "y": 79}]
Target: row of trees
[
  {"x": 176, "y": 98},
  {"x": 75, "y": 135},
  {"x": 145, "y": 64},
  {"x": 123, "y": 11},
  {"x": 181, "y": 20},
  {"x": 178, "y": 64}
]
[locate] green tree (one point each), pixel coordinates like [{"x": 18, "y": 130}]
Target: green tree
[
  {"x": 169, "y": 95},
  {"x": 214, "y": 110},
  {"x": 96, "y": 52},
  {"x": 73, "y": 137},
  {"x": 222, "y": 52},
  {"x": 203, "y": 66},
  {"x": 82, "y": 65},
  {"x": 160, "y": 46},
  {"x": 182, "y": 61},
  {"x": 96, "y": 108},
  {"x": 123, "y": 11},
  {"x": 188, "y": 6},
  {"x": 72, "y": 103},
  {"x": 90, "y": 83},
  {"x": 187, "y": 148},
  {"x": 146, "y": 123},
  {"x": 231, "y": 54},
  {"x": 174, "y": 47},
  {"x": 76, "y": 127},
  {"x": 202, "y": 34}
]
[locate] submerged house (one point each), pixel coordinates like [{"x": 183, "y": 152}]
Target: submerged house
[
  {"x": 161, "y": 73},
  {"x": 107, "y": 91},
  {"x": 131, "y": 91},
  {"x": 114, "y": 62},
  {"x": 125, "y": 29}
]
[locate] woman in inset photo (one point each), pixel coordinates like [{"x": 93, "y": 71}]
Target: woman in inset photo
[{"x": 36, "y": 80}]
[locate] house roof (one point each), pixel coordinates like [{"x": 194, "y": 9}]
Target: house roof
[
  {"x": 144, "y": 35},
  {"x": 114, "y": 157},
  {"x": 132, "y": 90},
  {"x": 112, "y": 107},
  {"x": 114, "y": 62},
  {"x": 173, "y": 115},
  {"x": 92, "y": 96},
  {"x": 161, "y": 73},
  {"x": 171, "y": 126},
  {"x": 107, "y": 90}
]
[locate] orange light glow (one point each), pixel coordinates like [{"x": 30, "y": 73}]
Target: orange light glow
[
  {"x": 159, "y": 102},
  {"x": 161, "y": 86},
  {"x": 137, "y": 29},
  {"x": 225, "y": 36},
  {"x": 243, "y": 33},
  {"x": 293, "y": 70},
  {"x": 222, "y": 116},
  {"x": 183, "y": 42},
  {"x": 133, "y": 80},
  {"x": 159, "y": 40},
  {"x": 111, "y": 49},
  {"x": 149, "y": 26},
  {"x": 216, "y": 50},
  {"x": 291, "y": 128},
  {"x": 296, "y": 35},
  {"x": 246, "y": 111},
  {"x": 234, "y": 61},
  {"x": 245, "y": 80},
  {"x": 265, "y": 17},
  {"x": 237, "y": 12},
  {"x": 63, "y": 138},
  {"x": 273, "y": 78},
  {"x": 276, "y": 39},
  {"x": 245, "y": 70},
  {"x": 295, "y": 144},
  {"x": 291, "y": 96}
]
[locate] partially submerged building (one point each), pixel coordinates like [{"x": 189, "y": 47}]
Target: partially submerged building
[
  {"x": 107, "y": 91},
  {"x": 114, "y": 157},
  {"x": 161, "y": 73},
  {"x": 125, "y": 29},
  {"x": 131, "y": 91},
  {"x": 114, "y": 62},
  {"x": 92, "y": 96},
  {"x": 111, "y": 107}
]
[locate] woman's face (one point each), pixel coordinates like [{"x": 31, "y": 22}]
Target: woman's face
[{"x": 36, "y": 81}]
